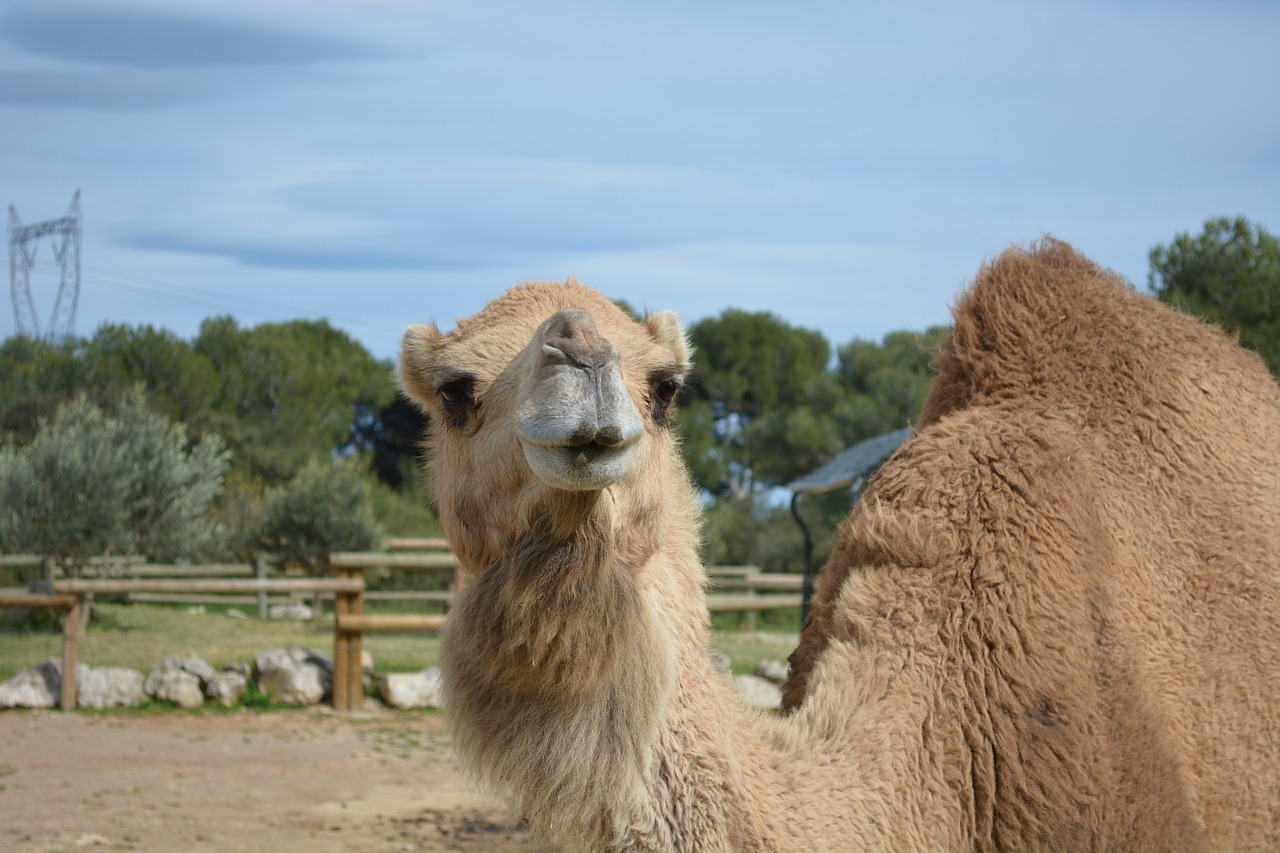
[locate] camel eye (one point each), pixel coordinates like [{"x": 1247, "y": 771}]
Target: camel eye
[
  {"x": 456, "y": 397},
  {"x": 666, "y": 391},
  {"x": 452, "y": 393}
]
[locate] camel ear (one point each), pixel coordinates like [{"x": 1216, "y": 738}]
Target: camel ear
[
  {"x": 666, "y": 331},
  {"x": 417, "y": 356}
]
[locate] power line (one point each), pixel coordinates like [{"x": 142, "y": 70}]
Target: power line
[
  {"x": 23, "y": 240},
  {"x": 204, "y": 297},
  {"x": 221, "y": 302}
]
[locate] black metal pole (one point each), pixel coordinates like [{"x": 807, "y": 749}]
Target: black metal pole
[{"x": 808, "y": 558}]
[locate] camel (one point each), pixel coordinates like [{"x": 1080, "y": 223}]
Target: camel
[{"x": 1049, "y": 623}]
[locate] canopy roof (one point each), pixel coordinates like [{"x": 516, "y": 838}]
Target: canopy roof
[{"x": 852, "y": 463}]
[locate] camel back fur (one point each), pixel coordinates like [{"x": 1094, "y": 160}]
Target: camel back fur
[{"x": 1076, "y": 564}]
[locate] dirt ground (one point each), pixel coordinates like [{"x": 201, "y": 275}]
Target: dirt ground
[{"x": 281, "y": 782}]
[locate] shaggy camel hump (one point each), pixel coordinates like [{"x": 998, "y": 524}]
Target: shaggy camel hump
[
  {"x": 1089, "y": 518},
  {"x": 1046, "y": 324}
]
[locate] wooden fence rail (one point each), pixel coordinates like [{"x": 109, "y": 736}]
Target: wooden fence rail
[{"x": 734, "y": 589}]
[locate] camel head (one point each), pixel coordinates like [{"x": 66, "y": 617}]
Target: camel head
[{"x": 551, "y": 390}]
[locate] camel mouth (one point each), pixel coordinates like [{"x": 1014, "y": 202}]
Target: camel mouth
[{"x": 578, "y": 467}]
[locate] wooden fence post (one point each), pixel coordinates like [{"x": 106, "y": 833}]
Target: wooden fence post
[
  {"x": 70, "y": 653},
  {"x": 260, "y": 572},
  {"x": 341, "y": 606},
  {"x": 355, "y": 647},
  {"x": 348, "y": 674}
]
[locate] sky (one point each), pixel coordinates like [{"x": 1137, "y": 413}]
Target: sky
[{"x": 847, "y": 166}]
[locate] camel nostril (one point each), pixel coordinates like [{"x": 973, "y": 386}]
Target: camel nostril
[
  {"x": 610, "y": 436},
  {"x": 583, "y": 436}
]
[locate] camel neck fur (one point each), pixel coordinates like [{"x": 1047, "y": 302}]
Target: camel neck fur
[{"x": 569, "y": 671}]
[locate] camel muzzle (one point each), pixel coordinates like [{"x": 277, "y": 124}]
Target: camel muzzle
[{"x": 575, "y": 417}]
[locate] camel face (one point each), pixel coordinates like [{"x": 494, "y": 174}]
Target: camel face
[{"x": 551, "y": 387}]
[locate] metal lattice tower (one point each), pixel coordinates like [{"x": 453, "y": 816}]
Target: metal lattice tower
[{"x": 22, "y": 256}]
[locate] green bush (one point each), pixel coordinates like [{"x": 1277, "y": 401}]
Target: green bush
[
  {"x": 93, "y": 483},
  {"x": 325, "y": 508}
]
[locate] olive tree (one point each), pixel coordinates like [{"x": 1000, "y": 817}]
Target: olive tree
[
  {"x": 325, "y": 508},
  {"x": 96, "y": 483}
]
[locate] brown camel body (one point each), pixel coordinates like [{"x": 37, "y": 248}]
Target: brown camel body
[{"x": 1049, "y": 624}]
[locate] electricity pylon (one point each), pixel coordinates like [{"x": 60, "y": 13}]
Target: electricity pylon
[{"x": 22, "y": 255}]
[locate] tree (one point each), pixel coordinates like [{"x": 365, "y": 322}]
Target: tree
[
  {"x": 1230, "y": 275},
  {"x": 324, "y": 508},
  {"x": 884, "y": 385},
  {"x": 35, "y": 378},
  {"x": 93, "y": 483},
  {"x": 767, "y": 406},
  {"x": 391, "y": 438},
  {"x": 750, "y": 365},
  {"x": 179, "y": 382},
  {"x": 288, "y": 391}
]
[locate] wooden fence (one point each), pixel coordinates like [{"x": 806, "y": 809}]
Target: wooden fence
[
  {"x": 70, "y": 607},
  {"x": 734, "y": 588},
  {"x": 350, "y": 622}
]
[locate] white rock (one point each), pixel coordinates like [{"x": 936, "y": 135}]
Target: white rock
[
  {"x": 177, "y": 686},
  {"x": 37, "y": 687},
  {"x": 236, "y": 614},
  {"x": 757, "y": 692},
  {"x": 108, "y": 687},
  {"x": 199, "y": 668},
  {"x": 179, "y": 681},
  {"x": 411, "y": 689},
  {"x": 294, "y": 676},
  {"x": 297, "y": 612},
  {"x": 226, "y": 688}
]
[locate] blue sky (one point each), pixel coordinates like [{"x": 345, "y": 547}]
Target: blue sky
[{"x": 845, "y": 165}]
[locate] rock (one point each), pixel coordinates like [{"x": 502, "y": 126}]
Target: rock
[
  {"x": 179, "y": 681},
  {"x": 757, "y": 692},
  {"x": 177, "y": 686},
  {"x": 226, "y": 688},
  {"x": 37, "y": 687},
  {"x": 200, "y": 669},
  {"x": 294, "y": 676},
  {"x": 236, "y": 614},
  {"x": 411, "y": 689},
  {"x": 297, "y": 612},
  {"x": 198, "y": 610},
  {"x": 772, "y": 670},
  {"x": 108, "y": 687}
]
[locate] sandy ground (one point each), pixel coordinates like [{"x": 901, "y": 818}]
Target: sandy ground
[{"x": 283, "y": 782}]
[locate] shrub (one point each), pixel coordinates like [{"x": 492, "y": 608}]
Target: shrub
[
  {"x": 93, "y": 483},
  {"x": 324, "y": 508}
]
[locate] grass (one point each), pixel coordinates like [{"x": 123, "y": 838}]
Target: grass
[{"x": 139, "y": 635}]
